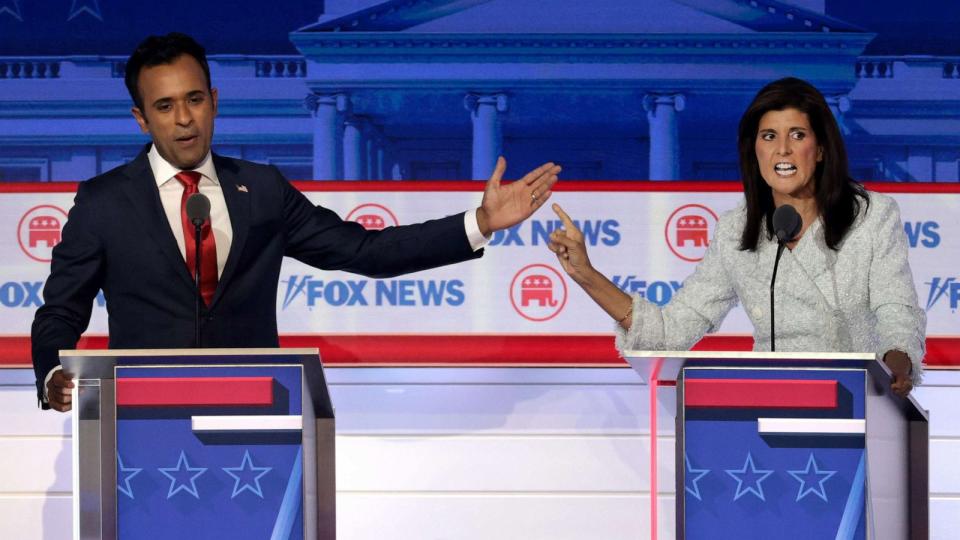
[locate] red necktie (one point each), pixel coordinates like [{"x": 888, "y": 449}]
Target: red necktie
[{"x": 208, "y": 246}]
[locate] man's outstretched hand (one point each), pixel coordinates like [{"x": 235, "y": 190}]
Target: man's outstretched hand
[{"x": 504, "y": 206}]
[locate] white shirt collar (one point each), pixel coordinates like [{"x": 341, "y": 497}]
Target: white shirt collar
[{"x": 163, "y": 171}]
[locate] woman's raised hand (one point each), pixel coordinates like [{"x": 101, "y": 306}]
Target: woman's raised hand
[{"x": 567, "y": 243}]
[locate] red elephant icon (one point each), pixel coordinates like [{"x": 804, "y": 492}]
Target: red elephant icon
[
  {"x": 371, "y": 222},
  {"x": 693, "y": 228},
  {"x": 539, "y": 288},
  {"x": 44, "y": 229}
]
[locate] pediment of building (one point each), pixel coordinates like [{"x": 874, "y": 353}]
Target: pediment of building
[{"x": 565, "y": 17}]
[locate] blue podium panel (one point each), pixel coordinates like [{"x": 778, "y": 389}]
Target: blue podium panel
[
  {"x": 209, "y": 452},
  {"x": 773, "y": 453}
]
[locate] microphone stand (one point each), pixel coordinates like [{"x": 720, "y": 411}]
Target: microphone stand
[
  {"x": 198, "y": 224},
  {"x": 773, "y": 280}
]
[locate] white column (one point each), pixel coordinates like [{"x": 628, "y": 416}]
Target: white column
[
  {"x": 353, "y": 149},
  {"x": 371, "y": 139},
  {"x": 662, "y": 112},
  {"x": 327, "y": 112},
  {"x": 486, "y": 111},
  {"x": 381, "y": 159}
]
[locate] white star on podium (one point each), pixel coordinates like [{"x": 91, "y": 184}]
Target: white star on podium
[
  {"x": 181, "y": 472},
  {"x": 694, "y": 475},
  {"x": 128, "y": 473},
  {"x": 248, "y": 475},
  {"x": 89, "y": 6},
  {"x": 814, "y": 479},
  {"x": 751, "y": 473},
  {"x": 12, "y": 7}
]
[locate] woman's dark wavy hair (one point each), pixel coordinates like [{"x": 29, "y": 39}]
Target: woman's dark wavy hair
[{"x": 836, "y": 193}]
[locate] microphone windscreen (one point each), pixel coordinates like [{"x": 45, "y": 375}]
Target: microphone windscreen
[
  {"x": 198, "y": 208},
  {"x": 786, "y": 223}
]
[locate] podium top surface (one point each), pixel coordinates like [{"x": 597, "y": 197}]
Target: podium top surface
[
  {"x": 666, "y": 365},
  {"x": 749, "y": 355},
  {"x": 185, "y": 352},
  {"x": 101, "y": 364}
]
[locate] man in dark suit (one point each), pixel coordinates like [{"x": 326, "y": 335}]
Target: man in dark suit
[{"x": 128, "y": 234}]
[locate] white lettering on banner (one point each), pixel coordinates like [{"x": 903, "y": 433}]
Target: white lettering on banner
[{"x": 635, "y": 238}]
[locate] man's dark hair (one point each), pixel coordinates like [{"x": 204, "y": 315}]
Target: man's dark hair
[
  {"x": 160, "y": 50},
  {"x": 837, "y": 194}
]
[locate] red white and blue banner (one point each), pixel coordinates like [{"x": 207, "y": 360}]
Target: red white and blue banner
[{"x": 513, "y": 305}]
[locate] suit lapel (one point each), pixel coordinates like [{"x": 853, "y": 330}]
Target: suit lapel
[
  {"x": 809, "y": 263},
  {"x": 815, "y": 260},
  {"x": 141, "y": 189},
  {"x": 238, "y": 205}
]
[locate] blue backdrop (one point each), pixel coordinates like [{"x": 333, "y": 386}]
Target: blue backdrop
[{"x": 612, "y": 89}]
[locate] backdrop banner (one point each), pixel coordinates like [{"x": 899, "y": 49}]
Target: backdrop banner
[{"x": 647, "y": 237}]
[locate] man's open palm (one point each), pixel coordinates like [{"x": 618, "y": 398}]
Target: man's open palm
[{"x": 504, "y": 206}]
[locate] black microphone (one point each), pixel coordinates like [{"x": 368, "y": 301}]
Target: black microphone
[
  {"x": 786, "y": 225},
  {"x": 198, "y": 211}
]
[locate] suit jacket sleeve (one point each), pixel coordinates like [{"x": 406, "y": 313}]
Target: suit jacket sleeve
[
  {"x": 699, "y": 306},
  {"x": 901, "y": 323},
  {"x": 75, "y": 278},
  {"x": 318, "y": 237}
]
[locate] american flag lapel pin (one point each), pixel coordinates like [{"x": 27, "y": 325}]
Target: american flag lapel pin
[{"x": 242, "y": 188}]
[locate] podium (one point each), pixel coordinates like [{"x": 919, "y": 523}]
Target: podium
[
  {"x": 201, "y": 443},
  {"x": 790, "y": 445}
]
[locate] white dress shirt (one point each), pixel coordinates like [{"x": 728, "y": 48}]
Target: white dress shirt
[{"x": 171, "y": 191}]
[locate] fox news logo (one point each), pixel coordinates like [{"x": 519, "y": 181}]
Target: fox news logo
[
  {"x": 657, "y": 292},
  {"x": 922, "y": 233},
  {"x": 536, "y": 232},
  {"x": 394, "y": 292},
  {"x": 373, "y": 217},
  {"x": 688, "y": 231},
  {"x": 23, "y": 294},
  {"x": 39, "y": 231},
  {"x": 946, "y": 289},
  {"x": 28, "y": 294}
]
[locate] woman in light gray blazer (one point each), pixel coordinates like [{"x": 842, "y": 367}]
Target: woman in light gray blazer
[{"x": 844, "y": 280}]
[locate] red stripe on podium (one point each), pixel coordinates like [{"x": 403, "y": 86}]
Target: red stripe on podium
[
  {"x": 195, "y": 392},
  {"x": 767, "y": 393}
]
